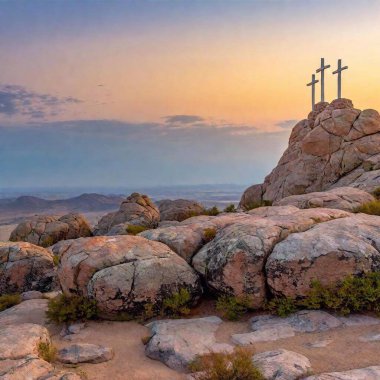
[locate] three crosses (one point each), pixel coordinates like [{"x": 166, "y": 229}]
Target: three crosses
[{"x": 322, "y": 71}]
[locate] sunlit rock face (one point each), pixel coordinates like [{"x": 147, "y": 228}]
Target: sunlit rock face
[{"x": 337, "y": 145}]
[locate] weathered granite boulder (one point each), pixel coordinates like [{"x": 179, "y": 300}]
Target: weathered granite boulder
[
  {"x": 123, "y": 273},
  {"x": 342, "y": 198},
  {"x": 179, "y": 209},
  {"x": 84, "y": 353},
  {"x": 327, "y": 252},
  {"x": 47, "y": 230},
  {"x": 369, "y": 373},
  {"x": 30, "y": 311},
  {"x": 177, "y": 342},
  {"x": 282, "y": 365},
  {"x": 187, "y": 237},
  {"x": 137, "y": 210},
  {"x": 24, "y": 267},
  {"x": 336, "y": 146},
  {"x": 233, "y": 263}
]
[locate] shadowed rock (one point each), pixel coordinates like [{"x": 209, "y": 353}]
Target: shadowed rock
[{"x": 179, "y": 209}]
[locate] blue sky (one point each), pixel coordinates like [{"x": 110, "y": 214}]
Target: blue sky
[{"x": 146, "y": 93}]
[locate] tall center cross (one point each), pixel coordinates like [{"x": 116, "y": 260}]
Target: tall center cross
[
  {"x": 322, "y": 71},
  {"x": 312, "y": 84},
  {"x": 339, "y": 72}
]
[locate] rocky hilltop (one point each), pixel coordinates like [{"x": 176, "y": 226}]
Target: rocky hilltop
[{"x": 337, "y": 145}]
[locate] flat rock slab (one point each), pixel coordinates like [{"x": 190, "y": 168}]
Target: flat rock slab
[
  {"x": 359, "y": 320},
  {"x": 177, "y": 342},
  {"x": 84, "y": 353},
  {"x": 19, "y": 341},
  {"x": 30, "y": 368},
  {"x": 31, "y": 311},
  {"x": 375, "y": 337},
  {"x": 271, "y": 328},
  {"x": 319, "y": 343},
  {"x": 369, "y": 373},
  {"x": 282, "y": 365}
]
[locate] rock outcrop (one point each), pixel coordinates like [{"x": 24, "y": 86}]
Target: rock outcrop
[
  {"x": 123, "y": 273},
  {"x": 177, "y": 342},
  {"x": 341, "y": 198},
  {"x": 47, "y": 230},
  {"x": 179, "y": 209},
  {"x": 136, "y": 210},
  {"x": 368, "y": 373},
  {"x": 337, "y": 145},
  {"x": 84, "y": 353},
  {"x": 24, "y": 267},
  {"x": 328, "y": 252},
  {"x": 282, "y": 365},
  {"x": 233, "y": 263}
]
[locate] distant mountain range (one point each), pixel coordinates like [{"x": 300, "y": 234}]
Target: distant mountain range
[{"x": 82, "y": 203}]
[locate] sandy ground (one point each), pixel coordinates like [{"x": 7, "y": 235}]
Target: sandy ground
[{"x": 345, "y": 352}]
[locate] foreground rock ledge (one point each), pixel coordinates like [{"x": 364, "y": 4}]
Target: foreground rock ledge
[{"x": 124, "y": 273}]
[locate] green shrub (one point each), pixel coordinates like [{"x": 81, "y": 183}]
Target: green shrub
[
  {"x": 230, "y": 208},
  {"x": 253, "y": 205},
  {"x": 177, "y": 303},
  {"x": 213, "y": 211},
  {"x": 47, "y": 351},
  {"x": 134, "y": 230},
  {"x": 9, "y": 300},
  {"x": 376, "y": 193},
  {"x": 282, "y": 306},
  {"x": 351, "y": 295},
  {"x": 56, "y": 260},
  {"x": 65, "y": 309},
  {"x": 209, "y": 234},
  {"x": 47, "y": 242},
  {"x": 371, "y": 208},
  {"x": 237, "y": 365},
  {"x": 232, "y": 307}
]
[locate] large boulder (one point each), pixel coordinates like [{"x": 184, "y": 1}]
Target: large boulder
[
  {"x": 178, "y": 342},
  {"x": 137, "y": 209},
  {"x": 123, "y": 273},
  {"x": 327, "y": 252},
  {"x": 233, "y": 263},
  {"x": 179, "y": 209},
  {"x": 342, "y": 198},
  {"x": 187, "y": 237},
  {"x": 47, "y": 230},
  {"x": 24, "y": 267},
  {"x": 337, "y": 145}
]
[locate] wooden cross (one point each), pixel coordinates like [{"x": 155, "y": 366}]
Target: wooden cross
[
  {"x": 322, "y": 71},
  {"x": 339, "y": 72},
  {"x": 312, "y": 84}
]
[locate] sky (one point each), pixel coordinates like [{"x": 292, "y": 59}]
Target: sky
[{"x": 149, "y": 93}]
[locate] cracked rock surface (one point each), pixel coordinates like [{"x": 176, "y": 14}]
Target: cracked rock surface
[
  {"x": 123, "y": 273},
  {"x": 337, "y": 145},
  {"x": 24, "y": 267}
]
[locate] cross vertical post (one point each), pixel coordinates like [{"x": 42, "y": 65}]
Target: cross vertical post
[
  {"x": 322, "y": 71},
  {"x": 312, "y": 84},
  {"x": 339, "y": 72}
]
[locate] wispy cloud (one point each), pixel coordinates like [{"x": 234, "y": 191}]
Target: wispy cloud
[
  {"x": 286, "y": 124},
  {"x": 19, "y": 101},
  {"x": 183, "y": 119}
]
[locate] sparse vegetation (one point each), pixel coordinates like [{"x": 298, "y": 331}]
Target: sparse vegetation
[
  {"x": 9, "y": 300},
  {"x": 145, "y": 339},
  {"x": 213, "y": 211},
  {"x": 253, "y": 205},
  {"x": 371, "y": 208},
  {"x": 352, "y": 294},
  {"x": 135, "y": 229},
  {"x": 282, "y": 306},
  {"x": 237, "y": 365},
  {"x": 56, "y": 260},
  {"x": 47, "y": 351},
  {"x": 148, "y": 312},
  {"x": 232, "y": 307},
  {"x": 209, "y": 234},
  {"x": 65, "y": 309},
  {"x": 177, "y": 303},
  {"x": 230, "y": 208},
  {"x": 376, "y": 193},
  {"x": 47, "y": 242}
]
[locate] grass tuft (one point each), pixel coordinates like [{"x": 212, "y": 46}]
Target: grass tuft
[
  {"x": 9, "y": 300},
  {"x": 232, "y": 307}
]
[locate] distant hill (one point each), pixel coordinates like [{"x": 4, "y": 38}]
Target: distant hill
[{"x": 82, "y": 203}]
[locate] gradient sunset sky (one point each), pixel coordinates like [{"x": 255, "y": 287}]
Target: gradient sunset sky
[{"x": 169, "y": 92}]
